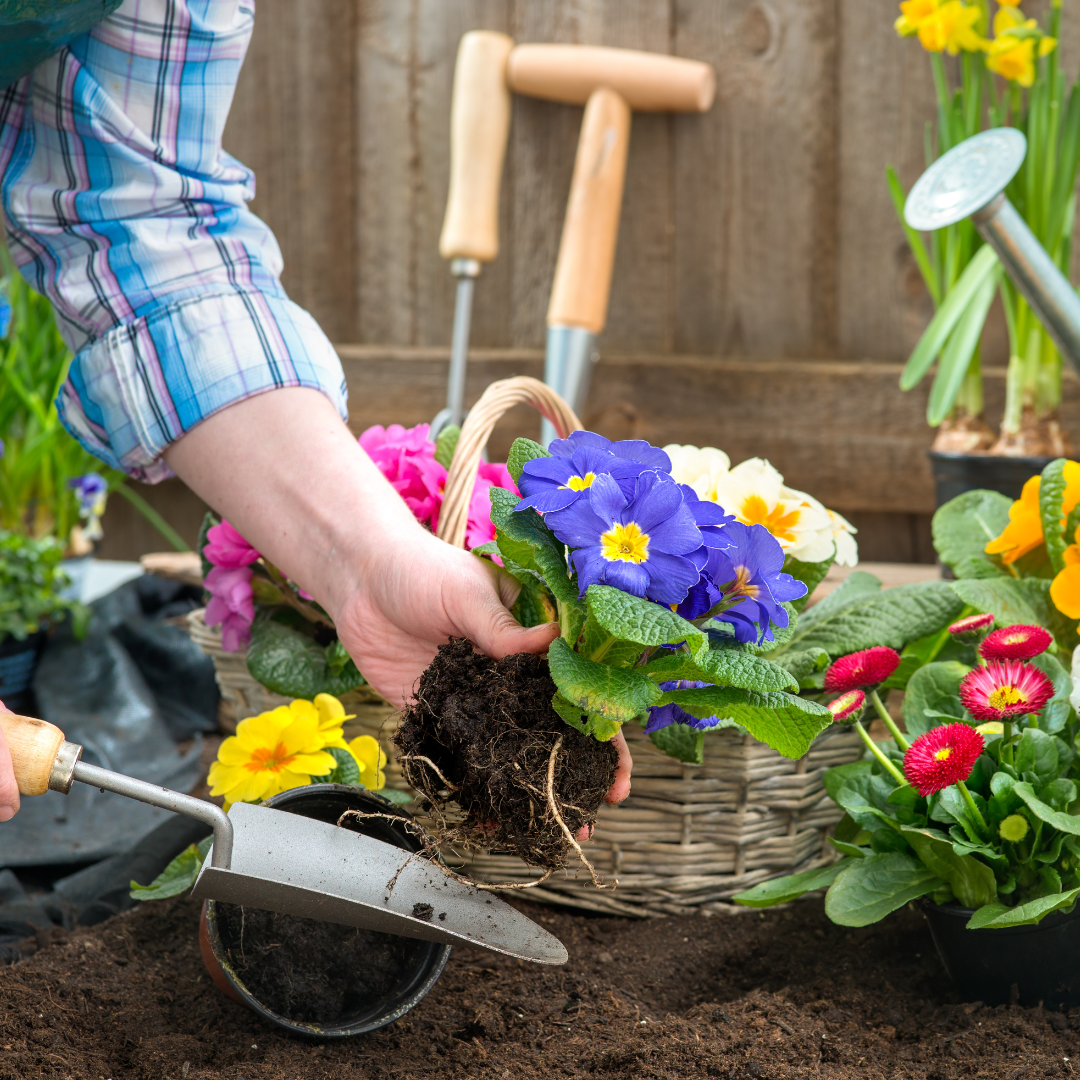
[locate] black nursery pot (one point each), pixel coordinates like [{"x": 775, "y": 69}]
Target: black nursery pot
[
  {"x": 18, "y": 662},
  {"x": 1022, "y": 964},
  {"x": 416, "y": 972},
  {"x": 956, "y": 473}
]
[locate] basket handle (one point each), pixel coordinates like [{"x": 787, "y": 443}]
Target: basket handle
[{"x": 497, "y": 399}]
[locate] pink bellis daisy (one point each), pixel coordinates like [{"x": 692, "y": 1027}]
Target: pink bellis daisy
[
  {"x": 868, "y": 667},
  {"x": 1015, "y": 643},
  {"x": 1004, "y": 689},
  {"x": 943, "y": 756},
  {"x": 847, "y": 708},
  {"x": 973, "y": 627}
]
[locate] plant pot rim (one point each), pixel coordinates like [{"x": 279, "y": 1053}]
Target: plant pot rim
[
  {"x": 956, "y": 455},
  {"x": 957, "y": 911}
]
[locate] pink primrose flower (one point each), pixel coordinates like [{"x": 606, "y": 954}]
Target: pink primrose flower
[
  {"x": 232, "y": 605},
  {"x": 227, "y": 548},
  {"x": 406, "y": 457},
  {"x": 480, "y": 529}
]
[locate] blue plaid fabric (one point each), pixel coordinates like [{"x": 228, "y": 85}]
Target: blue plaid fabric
[{"x": 121, "y": 206}]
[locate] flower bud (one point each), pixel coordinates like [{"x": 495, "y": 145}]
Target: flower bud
[
  {"x": 847, "y": 708},
  {"x": 1013, "y": 828}
]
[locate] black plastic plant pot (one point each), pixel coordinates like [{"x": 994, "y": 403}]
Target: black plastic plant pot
[
  {"x": 416, "y": 967},
  {"x": 1024, "y": 965},
  {"x": 18, "y": 662},
  {"x": 956, "y": 473}
]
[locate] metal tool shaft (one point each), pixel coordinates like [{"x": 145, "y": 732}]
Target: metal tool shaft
[
  {"x": 1035, "y": 274},
  {"x": 156, "y": 795},
  {"x": 568, "y": 363},
  {"x": 466, "y": 271}
]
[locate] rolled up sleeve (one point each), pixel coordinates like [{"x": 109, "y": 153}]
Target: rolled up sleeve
[{"x": 121, "y": 206}]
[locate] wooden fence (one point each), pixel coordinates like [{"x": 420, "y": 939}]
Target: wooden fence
[{"x": 763, "y": 294}]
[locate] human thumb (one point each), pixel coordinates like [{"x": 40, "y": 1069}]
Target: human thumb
[{"x": 499, "y": 634}]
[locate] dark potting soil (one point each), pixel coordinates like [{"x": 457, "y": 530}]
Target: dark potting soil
[
  {"x": 489, "y": 728},
  {"x": 308, "y": 970},
  {"x": 774, "y": 995}
]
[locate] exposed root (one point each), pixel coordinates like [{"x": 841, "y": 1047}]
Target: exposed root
[
  {"x": 431, "y": 765},
  {"x": 553, "y": 806}
]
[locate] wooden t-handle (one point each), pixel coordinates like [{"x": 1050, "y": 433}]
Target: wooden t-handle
[
  {"x": 650, "y": 82},
  {"x": 579, "y": 295},
  {"x": 35, "y": 748},
  {"x": 479, "y": 126}
]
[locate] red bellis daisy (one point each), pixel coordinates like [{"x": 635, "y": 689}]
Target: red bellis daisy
[
  {"x": 943, "y": 756},
  {"x": 847, "y": 708},
  {"x": 1004, "y": 689},
  {"x": 972, "y": 628},
  {"x": 1015, "y": 643},
  {"x": 861, "y": 669}
]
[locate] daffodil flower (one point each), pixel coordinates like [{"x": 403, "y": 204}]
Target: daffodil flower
[
  {"x": 271, "y": 752},
  {"x": 951, "y": 28},
  {"x": 1012, "y": 53},
  {"x": 913, "y": 14},
  {"x": 370, "y": 758}
]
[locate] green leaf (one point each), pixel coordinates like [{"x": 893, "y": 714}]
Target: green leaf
[
  {"x": 734, "y": 667},
  {"x": 523, "y": 450},
  {"x": 845, "y": 848},
  {"x": 446, "y": 444},
  {"x": 1067, "y": 823},
  {"x": 784, "y": 889},
  {"x": 524, "y": 538},
  {"x": 839, "y": 775},
  {"x": 399, "y": 798},
  {"x": 965, "y": 525},
  {"x": 681, "y": 742},
  {"x": 1037, "y": 752},
  {"x": 613, "y": 693},
  {"x": 346, "y": 771},
  {"x": 869, "y": 889},
  {"x": 987, "y": 913},
  {"x": 972, "y": 882},
  {"x": 810, "y": 574},
  {"x": 177, "y": 877},
  {"x": 636, "y": 619},
  {"x": 291, "y": 663},
  {"x": 534, "y": 604},
  {"x": 890, "y": 617},
  {"x": 934, "y": 687},
  {"x": 606, "y": 648},
  {"x": 1031, "y": 912},
  {"x": 1051, "y": 510},
  {"x": 804, "y": 665},
  {"x": 857, "y": 586},
  {"x": 1059, "y": 708},
  {"x": 787, "y": 723},
  {"x": 210, "y": 519},
  {"x": 960, "y": 296},
  {"x": 570, "y": 714},
  {"x": 1009, "y": 600}
]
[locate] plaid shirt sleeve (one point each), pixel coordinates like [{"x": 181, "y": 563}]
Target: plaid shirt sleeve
[{"x": 121, "y": 206}]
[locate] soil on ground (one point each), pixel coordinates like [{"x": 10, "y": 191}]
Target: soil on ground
[
  {"x": 489, "y": 729},
  {"x": 754, "y": 996}
]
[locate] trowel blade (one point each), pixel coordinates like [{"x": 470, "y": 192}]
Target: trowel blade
[{"x": 298, "y": 866}]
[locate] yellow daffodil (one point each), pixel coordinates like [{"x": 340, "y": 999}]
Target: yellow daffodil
[
  {"x": 371, "y": 760},
  {"x": 913, "y": 14},
  {"x": 1006, "y": 18},
  {"x": 1024, "y": 532},
  {"x": 951, "y": 28},
  {"x": 271, "y": 752},
  {"x": 1013, "y": 57}
]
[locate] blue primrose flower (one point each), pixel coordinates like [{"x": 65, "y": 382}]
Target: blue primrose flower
[
  {"x": 88, "y": 490},
  {"x": 647, "y": 544},
  {"x": 557, "y": 482},
  {"x": 750, "y": 570},
  {"x": 662, "y": 716}
]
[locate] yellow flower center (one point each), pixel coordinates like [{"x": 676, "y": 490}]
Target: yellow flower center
[
  {"x": 578, "y": 483},
  {"x": 1004, "y": 696},
  {"x": 742, "y": 584},
  {"x": 1015, "y": 639},
  {"x": 625, "y": 543},
  {"x": 755, "y": 511},
  {"x": 264, "y": 759},
  {"x": 943, "y": 754}
]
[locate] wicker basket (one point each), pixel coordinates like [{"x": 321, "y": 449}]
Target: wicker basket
[
  {"x": 688, "y": 836},
  {"x": 242, "y": 696}
]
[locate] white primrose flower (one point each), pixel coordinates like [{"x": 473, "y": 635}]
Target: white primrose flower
[
  {"x": 837, "y": 536},
  {"x": 698, "y": 467}
]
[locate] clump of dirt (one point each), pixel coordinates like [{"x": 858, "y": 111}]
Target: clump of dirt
[
  {"x": 482, "y": 733},
  {"x": 312, "y": 971}
]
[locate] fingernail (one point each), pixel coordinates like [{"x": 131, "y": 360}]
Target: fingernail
[{"x": 6, "y": 813}]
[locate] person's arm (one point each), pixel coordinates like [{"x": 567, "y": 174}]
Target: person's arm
[{"x": 286, "y": 472}]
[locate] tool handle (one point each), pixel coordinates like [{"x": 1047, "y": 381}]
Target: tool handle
[
  {"x": 650, "y": 82},
  {"x": 579, "y": 294},
  {"x": 34, "y": 745},
  {"x": 479, "y": 126}
]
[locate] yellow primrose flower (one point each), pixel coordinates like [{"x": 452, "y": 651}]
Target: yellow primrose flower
[
  {"x": 1065, "y": 588},
  {"x": 371, "y": 759},
  {"x": 271, "y": 752},
  {"x": 951, "y": 27},
  {"x": 914, "y": 12},
  {"x": 1024, "y": 532}
]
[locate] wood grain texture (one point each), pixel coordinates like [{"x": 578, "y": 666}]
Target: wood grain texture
[{"x": 33, "y": 745}]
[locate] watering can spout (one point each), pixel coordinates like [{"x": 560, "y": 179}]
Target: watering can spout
[{"x": 970, "y": 181}]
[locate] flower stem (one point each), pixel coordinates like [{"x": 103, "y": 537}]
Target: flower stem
[
  {"x": 980, "y": 822},
  {"x": 888, "y": 721},
  {"x": 874, "y": 749},
  {"x": 1006, "y": 752}
]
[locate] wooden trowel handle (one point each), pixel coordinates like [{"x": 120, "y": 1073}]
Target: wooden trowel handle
[
  {"x": 579, "y": 295},
  {"x": 35, "y": 747},
  {"x": 479, "y": 126}
]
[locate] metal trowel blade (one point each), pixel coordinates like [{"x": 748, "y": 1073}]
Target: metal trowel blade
[{"x": 298, "y": 866}]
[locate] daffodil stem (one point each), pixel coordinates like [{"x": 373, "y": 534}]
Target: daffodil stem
[
  {"x": 876, "y": 750},
  {"x": 888, "y": 721},
  {"x": 980, "y": 822}
]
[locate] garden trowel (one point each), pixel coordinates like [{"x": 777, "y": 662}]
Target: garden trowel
[{"x": 271, "y": 859}]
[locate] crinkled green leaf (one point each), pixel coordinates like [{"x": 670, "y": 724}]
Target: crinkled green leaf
[
  {"x": 724, "y": 667},
  {"x": 614, "y": 693},
  {"x": 177, "y": 877},
  {"x": 1067, "y": 823},
  {"x": 635, "y": 619},
  {"x": 399, "y": 798},
  {"x": 524, "y": 538},
  {"x": 1051, "y": 510},
  {"x": 523, "y": 451},
  {"x": 291, "y": 663},
  {"x": 972, "y": 882},
  {"x": 446, "y": 444},
  {"x": 1009, "y": 600},
  {"x": 784, "y": 889},
  {"x": 1031, "y": 912},
  {"x": 346, "y": 771},
  {"x": 534, "y": 604},
  {"x": 935, "y": 687},
  {"x": 857, "y": 586},
  {"x": 867, "y": 890},
  {"x": 810, "y": 574},
  {"x": 787, "y": 723},
  {"x": 804, "y": 665},
  {"x": 570, "y": 714},
  {"x": 681, "y": 742}
]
